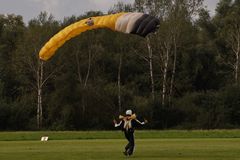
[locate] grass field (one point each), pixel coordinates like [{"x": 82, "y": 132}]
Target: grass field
[{"x": 150, "y": 145}]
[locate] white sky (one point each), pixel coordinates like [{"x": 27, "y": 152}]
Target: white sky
[{"x": 64, "y": 8}]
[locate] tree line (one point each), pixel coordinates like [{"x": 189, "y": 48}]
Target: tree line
[{"x": 184, "y": 76}]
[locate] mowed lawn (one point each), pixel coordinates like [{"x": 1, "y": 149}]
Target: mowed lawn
[{"x": 147, "y": 148}]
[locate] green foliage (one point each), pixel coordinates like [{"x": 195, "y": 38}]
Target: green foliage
[
  {"x": 231, "y": 100},
  {"x": 80, "y": 89}
]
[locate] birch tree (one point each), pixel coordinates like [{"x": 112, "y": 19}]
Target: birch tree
[
  {"x": 230, "y": 34},
  {"x": 27, "y": 61},
  {"x": 83, "y": 75},
  {"x": 169, "y": 37}
]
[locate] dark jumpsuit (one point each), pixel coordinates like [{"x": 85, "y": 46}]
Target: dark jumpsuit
[{"x": 128, "y": 130}]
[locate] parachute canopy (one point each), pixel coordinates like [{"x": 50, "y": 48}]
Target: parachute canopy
[{"x": 131, "y": 23}]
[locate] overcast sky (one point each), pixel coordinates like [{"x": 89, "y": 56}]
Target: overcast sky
[{"x": 64, "y": 8}]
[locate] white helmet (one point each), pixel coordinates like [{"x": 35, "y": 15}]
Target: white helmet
[{"x": 129, "y": 112}]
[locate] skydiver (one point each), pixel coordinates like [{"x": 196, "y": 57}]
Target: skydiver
[
  {"x": 89, "y": 22},
  {"x": 128, "y": 124}
]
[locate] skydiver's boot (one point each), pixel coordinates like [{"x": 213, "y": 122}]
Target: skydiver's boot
[{"x": 125, "y": 153}]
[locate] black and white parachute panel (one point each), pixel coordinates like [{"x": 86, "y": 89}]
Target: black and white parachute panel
[{"x": 137, "y": 23}]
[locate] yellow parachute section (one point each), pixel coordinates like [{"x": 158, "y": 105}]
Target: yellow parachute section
[
  {"x": 75, "y": 29},
  {"x": 130, "y": 23}
]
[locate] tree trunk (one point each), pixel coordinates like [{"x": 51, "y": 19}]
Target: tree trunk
[
  {"x": 165, "y": 69},
  {"x": 237, "y": 58},
  {"x": 83, "y": 82},
  {"x": 88, "y": 70},
  {"x": 235, "y": 46},
  {"x": 164, "y": 83},
  {"x": 39, "y": 90},
  {"x": 236, "y": 68},
  {"x": 173, "y": 71},
  {"x": 150, "y": 56},
  {"x": 119, "y": 84},
  {"x": 83, "y": 107},
  {"x": 78, "y": 68}
]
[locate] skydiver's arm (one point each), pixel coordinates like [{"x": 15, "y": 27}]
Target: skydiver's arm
[
  {"x": 117, "y": 124},
  {"x": 142, "y": 123}
]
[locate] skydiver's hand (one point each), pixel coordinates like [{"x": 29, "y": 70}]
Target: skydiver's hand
[
  {"x": 145, "y": 121},
  {"x": 121, "y": 117}
]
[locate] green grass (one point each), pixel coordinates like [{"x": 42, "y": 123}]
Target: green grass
[
  {"x": 104, "y": 145},
  {"x": 150, "y": 134},
  {"x": 146, "y": 149}
]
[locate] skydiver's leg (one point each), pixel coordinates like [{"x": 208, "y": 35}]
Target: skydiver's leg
[
  {"x": 127, "y": 135},
  {"x": 132, "y": 143}
]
